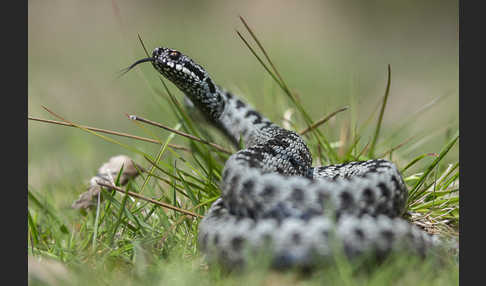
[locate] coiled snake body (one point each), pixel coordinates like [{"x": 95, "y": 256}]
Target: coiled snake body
[{"x": 274, "y": 200}]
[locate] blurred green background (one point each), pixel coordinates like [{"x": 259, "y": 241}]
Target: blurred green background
[{"x": 333, "y": 53}]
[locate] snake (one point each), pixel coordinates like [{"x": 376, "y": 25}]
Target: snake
[{"x": 274, "y": 201}]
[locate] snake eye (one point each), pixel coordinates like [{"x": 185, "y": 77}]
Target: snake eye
[{"x": 174, "y": 55}]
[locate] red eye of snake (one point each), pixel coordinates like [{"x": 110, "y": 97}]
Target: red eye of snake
[{"x": 174, "y": 55}]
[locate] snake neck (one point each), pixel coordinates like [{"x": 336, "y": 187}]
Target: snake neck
[
  {"x": 242, "y": 123},
  {"x": 238, "y": 120},
  {"x": 205, "y": 96}
]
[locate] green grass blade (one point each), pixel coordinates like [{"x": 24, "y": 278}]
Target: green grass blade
[
  {"x": 416, "y": 160},
  {"x": 371, "y": 151},
  {"x": 414, "y": 192},
  {"x": 32, "y": 229}
]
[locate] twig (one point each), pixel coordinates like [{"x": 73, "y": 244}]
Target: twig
[
  {"x": 216, "y": 146},
  {"x": 109, "y": 139},
  {"x": 322, "y": 120},
  {"x": 109, "y": 132},
  {"x": 149, "y": 200},
  {"x": 396, "y": 147}
]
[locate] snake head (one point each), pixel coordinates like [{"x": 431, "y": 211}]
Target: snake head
[
  {"x": 190, "y": 78},
  {"x": 177, "y": 67}
]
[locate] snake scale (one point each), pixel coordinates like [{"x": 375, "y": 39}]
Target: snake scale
[{"x": 274, "y": 201}]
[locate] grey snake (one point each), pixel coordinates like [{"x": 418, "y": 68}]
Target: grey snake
[{"x": 274, "y": 201}]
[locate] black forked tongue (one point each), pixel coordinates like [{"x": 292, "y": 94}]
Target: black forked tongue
[{"x": 125, "y": 70}]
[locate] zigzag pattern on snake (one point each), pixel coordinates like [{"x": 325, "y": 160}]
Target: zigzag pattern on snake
[{"x": 274, "y": 200}]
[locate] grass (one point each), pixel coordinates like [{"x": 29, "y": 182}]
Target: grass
[{"x": 127, "y": 240}]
